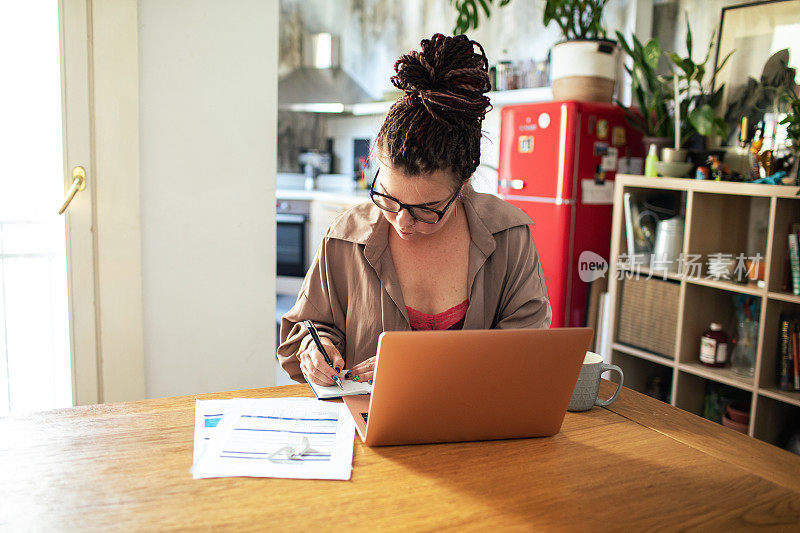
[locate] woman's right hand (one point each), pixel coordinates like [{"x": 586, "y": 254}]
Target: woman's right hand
[{"x": 314, "y": 367}]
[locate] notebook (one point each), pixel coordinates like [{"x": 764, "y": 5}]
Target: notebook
[{"x": 351, "y": 388}]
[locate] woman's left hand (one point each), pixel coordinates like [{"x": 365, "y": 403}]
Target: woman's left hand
[{"x": 363, "y": 371}]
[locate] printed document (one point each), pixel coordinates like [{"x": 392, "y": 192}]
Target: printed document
[
  {"x": 274, "y": 437},
  {"x": 207, "y": 415}
]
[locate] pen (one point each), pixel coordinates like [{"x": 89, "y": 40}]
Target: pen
[{"x": 314, "y": 335}]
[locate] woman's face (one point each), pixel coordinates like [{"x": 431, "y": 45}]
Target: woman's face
[{"x": 430, "y": 190}]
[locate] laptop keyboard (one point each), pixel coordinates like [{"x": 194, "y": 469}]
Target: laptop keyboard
[{"x": 365, "y": 416}]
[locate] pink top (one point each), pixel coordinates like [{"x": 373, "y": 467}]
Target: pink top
[{"x": 452, "y": 318}]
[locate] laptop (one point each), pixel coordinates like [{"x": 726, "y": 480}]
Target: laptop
[{"x": 452, "y": 386}]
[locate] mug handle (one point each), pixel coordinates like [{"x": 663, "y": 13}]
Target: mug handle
[{"x": 605, "y": 368}]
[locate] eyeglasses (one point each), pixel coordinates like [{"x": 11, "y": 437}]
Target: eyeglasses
[{"x": 391, "y": 204}]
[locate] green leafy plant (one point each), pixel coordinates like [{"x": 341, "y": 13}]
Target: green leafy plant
[
  {"x": 699, "y": 103},
  {"x": 649, "y": 91},
  {"x": 755, "y": 97},
  {"x": 792, "y": 119},
  {"x": 469, "y": 13},
  {"x": 578, "y": 19}
]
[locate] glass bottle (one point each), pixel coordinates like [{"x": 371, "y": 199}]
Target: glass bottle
[
  {"x": 714, "y": 346},
  {"x": 743, "y": 360},
  {"x": 650, "y": 162}
]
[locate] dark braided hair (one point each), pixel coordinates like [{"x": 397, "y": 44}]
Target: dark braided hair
[{"x": 437, "y": 124}]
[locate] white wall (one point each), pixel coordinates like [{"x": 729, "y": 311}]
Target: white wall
[
  {"x": 208, "y": 100},
  {"x": 704, "y": 18}
]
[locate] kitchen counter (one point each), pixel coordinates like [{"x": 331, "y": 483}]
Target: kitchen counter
[
  {"x": 333, "y": 188},
  {"x": 336, "y": 196}
]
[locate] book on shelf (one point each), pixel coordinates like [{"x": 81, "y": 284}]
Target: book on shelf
[
  {"x": 796, "y": 357},
  {"x": 626, "y": 205},
  {"x": 788, "y": 367},
  {"x": 794, "y": 259}
]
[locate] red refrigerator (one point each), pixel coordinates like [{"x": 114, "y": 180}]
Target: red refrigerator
[{"x": 557, "y": 163}]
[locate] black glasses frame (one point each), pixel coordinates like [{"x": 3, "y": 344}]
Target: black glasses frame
[{"x": 410, "y": 207}]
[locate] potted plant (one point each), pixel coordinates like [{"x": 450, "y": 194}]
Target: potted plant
[
  {"x": 792, "y": 121},
  {"x": 702, "y": 126},
  {"x": 650, "y": 92},
  {"x": 756, "y": 97},
  {"x": 469, "y": 14},
  {"x": 584, "y": 65}
]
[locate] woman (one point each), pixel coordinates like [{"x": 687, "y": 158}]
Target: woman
[{"x": 428, "y": 252}]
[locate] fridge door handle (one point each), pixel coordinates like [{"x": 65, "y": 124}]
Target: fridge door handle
[{"x": 511, "y": 184}]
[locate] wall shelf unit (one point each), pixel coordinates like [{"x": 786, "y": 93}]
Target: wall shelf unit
[
  {"x": 498, "y": 98},
  {"x": 720, "y": 217}
]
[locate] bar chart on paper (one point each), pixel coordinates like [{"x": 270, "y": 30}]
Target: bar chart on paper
[{"x": 277, "y": 437}]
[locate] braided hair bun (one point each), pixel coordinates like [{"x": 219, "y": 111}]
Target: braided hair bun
[{"x": 437, "y": 124}]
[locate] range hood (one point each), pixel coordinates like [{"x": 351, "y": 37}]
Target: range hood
[{"x": 320, "y": 85}]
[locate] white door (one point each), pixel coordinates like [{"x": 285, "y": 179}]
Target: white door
[{"x": 48, "y": 354}]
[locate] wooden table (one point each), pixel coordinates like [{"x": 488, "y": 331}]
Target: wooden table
[{"x": 640, "y": 464}]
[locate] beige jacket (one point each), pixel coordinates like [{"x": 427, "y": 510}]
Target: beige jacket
[{"x": 352, "y": 292}]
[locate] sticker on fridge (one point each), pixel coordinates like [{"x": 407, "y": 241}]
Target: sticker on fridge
[
  {"x": 609, "y": 160},
  {"x": 602, "y": 129},
  {"x": 544, "y": 121},
  {"x": 600, "y": 149},
  {"x": 593, "y": 193},
  {"x": 630, "y": 165},
  {"x": 525, "y": 144},
  {"x": 618, "y": 136}
]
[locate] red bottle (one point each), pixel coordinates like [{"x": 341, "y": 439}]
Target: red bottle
[{"x": 714, "y": 346}]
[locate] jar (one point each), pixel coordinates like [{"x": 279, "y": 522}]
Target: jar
[
  {"x": 714, "y": 346},
  {"x": 502, "y": 74},
  {"x": 743, "y": 361}
]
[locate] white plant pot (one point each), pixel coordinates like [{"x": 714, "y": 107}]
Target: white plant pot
[{"x": 584, "y": 70}]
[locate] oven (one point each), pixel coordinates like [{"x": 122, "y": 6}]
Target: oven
[{"x": 292, "y": 218}]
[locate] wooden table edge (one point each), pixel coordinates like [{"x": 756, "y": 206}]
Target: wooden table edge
[{"x": 757, "y": 457}]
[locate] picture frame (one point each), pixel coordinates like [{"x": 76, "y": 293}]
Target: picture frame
[{"x": 757, "y": 32}]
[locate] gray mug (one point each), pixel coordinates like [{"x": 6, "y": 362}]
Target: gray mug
[{"x": 584, "y": 397}]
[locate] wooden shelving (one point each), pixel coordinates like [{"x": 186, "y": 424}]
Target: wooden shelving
[
  {"x": 498, "y": 98},
  {"x": 792, "y": 398},
  {"x": 722, "y": 375},
  {"x": 743, "y": 288},
  {"x": 720, "y": 217},
  {"x": 651, "y": 273},
  {"x": 642, "y": 354},
  {"x": 785, "y": 297}
]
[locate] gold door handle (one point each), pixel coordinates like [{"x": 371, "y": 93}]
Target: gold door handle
[{"x": 78, "y": 184}]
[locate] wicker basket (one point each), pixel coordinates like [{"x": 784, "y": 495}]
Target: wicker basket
[{"x": 648, "y": 314}]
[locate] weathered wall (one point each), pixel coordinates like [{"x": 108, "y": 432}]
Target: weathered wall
[
  {"x": 703, "y": 18},
  {"x": 375, "y": 32}
]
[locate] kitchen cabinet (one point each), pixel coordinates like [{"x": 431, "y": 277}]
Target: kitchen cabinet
[{"x": 323, "y": 212}]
